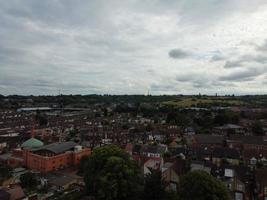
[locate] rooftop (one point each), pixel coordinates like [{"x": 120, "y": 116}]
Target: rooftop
[
  {"x": 62, "y": 181},
  {"x": 209, "y": 139},
  {"x": 226, "y": 153},
  {"x": 58, "y": 147},
  {"x": 248, "y": 139},
  {"x": 32, "y": 143},
  {"x": 33, "y": 109}
]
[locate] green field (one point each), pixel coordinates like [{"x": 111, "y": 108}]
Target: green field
[{"x": 189, "y": 102}]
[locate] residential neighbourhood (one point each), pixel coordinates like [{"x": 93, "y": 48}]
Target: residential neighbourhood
[{"x": 49, "y": 145}]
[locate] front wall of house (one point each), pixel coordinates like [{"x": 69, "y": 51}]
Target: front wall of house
[
  {"x": 216, "y": 161},
  {"x": 233, "y": 161},
  {"x": 46, "y": 164},
  {"x": 14, "y": 162}
]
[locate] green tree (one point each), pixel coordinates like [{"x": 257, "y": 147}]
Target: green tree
[
  {"x": 257, "y": 128},
  {"x": 5, "y": 171},
  {"x": 154, "y": 188},
  {"x": 73, "y": 133},
  {"x": 199, "y": 185},
  {"x": 109, "y": 174},
  {"x": 40, "y": 118},
  {"x": 171, "y": 118},
  {"x": 182, "y": 120},
  {"x": 177, "y": 118},
  {"x": 82, "y": 165},
  {"x": 149, "y": 127},
  {"x": 226, "y": 116},
  {"x": 28, "y": 180}
]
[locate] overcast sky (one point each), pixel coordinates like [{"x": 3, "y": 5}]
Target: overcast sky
[{"x": 133, "y": 46}]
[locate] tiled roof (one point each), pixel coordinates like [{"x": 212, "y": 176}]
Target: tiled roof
[
  {"x": 229, "y": 126},
  {"x": 153, "y": 149},
  {"x": 226, "y": 153},
  {"x": 209, "y": 139},
  {"x": 259, "y": 140},
  {"x": 58, "y": 147},
  {"x": 5, "y": 156},
  {"x": 137, "y": 148},
  {"x": 257, "y": 153},
  {"x": 243, "y": 173},
  {"x": 261, "y": 176}
]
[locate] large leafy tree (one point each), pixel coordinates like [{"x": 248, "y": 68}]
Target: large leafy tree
[
  {"x": 199, "y": 185},
  {"x": 177, "y": 118},
  {"x": 226, "y": 116},
  {"x": 257, "y": 128},
  {"x": 5, "y": 173},
  {"x": 154, "y": 188},
  {"x": 28, "y": 180},
  {"x": 82, "y": 165},
  {"x": 109, "y": 174}
]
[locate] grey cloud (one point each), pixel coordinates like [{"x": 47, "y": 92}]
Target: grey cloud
[
  {"x": 216, "y": 58},
  {"x": 222, "y": 84},
  {"x": 185, "y": 77},
  {"x": 203, "y": 12},
  {"x": 261, "y": 59},
  {"x": 243, "y": 75},
  {"x": 197, "y": 80},
  {"x": 10, "y": 55},
  {"x": 203, "y": 81},
  {"x": 200, "y": 13},
  {"x": 57, "y": 13},
  {"x": 258, "y": 58},
  {"x": 168, "y": 85},
  {"x": 162, "y": 88},
  {"x": 263, "y": 47},
  {"x": 45, "y": 84},
  {"x": 233, "y": 64},
  {"x": 202, "y": 84},
  {"x": 178, "y": 54},
  {"x": 151, "y": 71}
]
